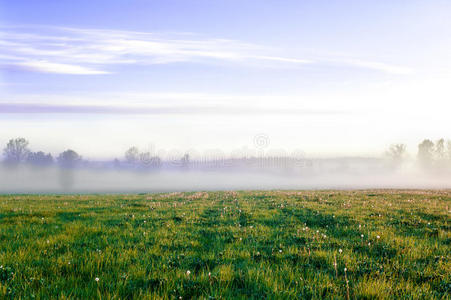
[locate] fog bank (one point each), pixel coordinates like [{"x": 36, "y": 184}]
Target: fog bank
[{"x": 84, "y": 180}]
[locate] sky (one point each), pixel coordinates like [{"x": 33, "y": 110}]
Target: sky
[{"x": 323, "y": 77}]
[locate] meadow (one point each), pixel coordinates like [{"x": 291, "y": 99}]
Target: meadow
[{"x": 371, "y": 244}]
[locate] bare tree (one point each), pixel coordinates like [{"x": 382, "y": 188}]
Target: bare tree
[
  {"x": 16, "y": 151},
  {"x": 396, "y": 153}
]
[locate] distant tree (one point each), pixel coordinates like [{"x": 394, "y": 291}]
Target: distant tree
[
  {"x": 116, "y": 163},
  {"x": 40, "y": 159},
  {"x": 147, "y": 160},
  {"x": 155, "y": 162},
  {"x": 396, "y": 153},
  {"x": 144, "y": 158},
  {"x": 16, "y": 151},
  {"x": 132, "y": 155},
  {"x": 426, "y": 153},
  {"x": 185, "y": 160},
  {"x": 439, "y": 150},
  {"x": 69, "y": 159},
  {"x": 449, "y": 149}
]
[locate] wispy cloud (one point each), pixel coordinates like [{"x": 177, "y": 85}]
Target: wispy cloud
[
  {"x": 387, "y": 68},
  {"x": 29, "y": 108},
  {"x": 89, "y": 52},
  {"x": 49, "y": 67},
  {"x": 92, "y": 51}
]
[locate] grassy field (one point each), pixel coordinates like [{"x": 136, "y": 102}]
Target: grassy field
[{"x": 224, "y": 245}]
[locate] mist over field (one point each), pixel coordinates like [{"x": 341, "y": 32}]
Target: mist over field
[
  {"x": 24, "y": 170},
  {"x": 317, "y": 174}
]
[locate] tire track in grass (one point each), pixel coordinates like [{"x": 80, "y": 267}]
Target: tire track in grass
[
  {"x": 209, "y": 236},
  {"x": 213, "y": 229}
]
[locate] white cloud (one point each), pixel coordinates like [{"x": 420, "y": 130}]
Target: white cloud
[
  {"x": 387, "y": 68},
  {"x": 74, "y": 51},
  {"x": 285, "y": 59},
  {"x": 49, "y": 67},
  {"x": 91, "y": 51}
]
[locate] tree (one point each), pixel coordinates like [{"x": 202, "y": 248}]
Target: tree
[
  {"x": 39, "y": 159},
  {"x": 185, "y": 161},
  {"x": 116, "y": 163},
  {"x": 449, "y": 149},
  {"x": 426, "y": 153},
  {"x": 16, "y": 151},
  {"x": 439, "y": 150},
  {"x": 132, "y": 155},
  {"x": 69, "y": 159},
  {"x": 147, "y": 160},
  {"x": 396, "y": 153}
]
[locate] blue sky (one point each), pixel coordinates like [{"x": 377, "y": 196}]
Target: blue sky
[{"x": 327, "y": 77}]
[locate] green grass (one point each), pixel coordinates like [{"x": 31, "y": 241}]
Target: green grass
[{"x": 223, "y": 245}]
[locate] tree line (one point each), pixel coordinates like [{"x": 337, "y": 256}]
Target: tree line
[
  {"x": 429, "y": 155},
  {"x": 17, "y": 151}
]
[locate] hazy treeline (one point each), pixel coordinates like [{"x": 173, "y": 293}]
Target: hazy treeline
[
  {"x": 16, "y": 152},
  {"x": 430, "y": 155},
  {"x": 24, "y": 169}
]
